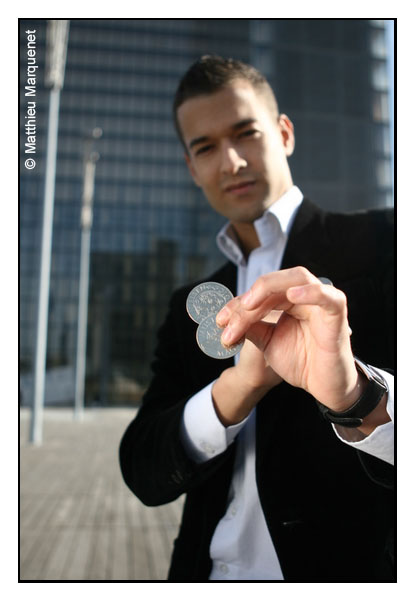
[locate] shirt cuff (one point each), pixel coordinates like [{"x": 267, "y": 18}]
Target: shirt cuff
[
  {"x": 202, "y": 433},
  {"x": 380, "y": 443}
]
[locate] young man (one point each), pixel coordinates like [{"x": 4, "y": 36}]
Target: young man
[{"x": 279, "y": 486}]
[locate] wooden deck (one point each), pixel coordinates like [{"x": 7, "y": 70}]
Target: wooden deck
[{"x": 78, "y": 520}]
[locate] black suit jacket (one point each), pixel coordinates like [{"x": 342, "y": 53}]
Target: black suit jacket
[{"x": 329, "y": 509}]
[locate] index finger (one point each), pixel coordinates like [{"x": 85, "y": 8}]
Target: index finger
[
  {"x": 271, "y": 288},
  {"x": 225, "y": 313}
]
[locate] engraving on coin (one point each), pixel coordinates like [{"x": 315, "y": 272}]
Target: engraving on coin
[
  {"x": 207, "y": 299},
  {"x": 208, "y": 338}
]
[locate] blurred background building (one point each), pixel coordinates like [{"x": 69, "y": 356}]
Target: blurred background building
[{"x": 152, "y": 229}]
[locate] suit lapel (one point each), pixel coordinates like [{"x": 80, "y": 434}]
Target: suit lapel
[
  {"x": 308, "y": 243},
  {"x": 227, "y": 276}
]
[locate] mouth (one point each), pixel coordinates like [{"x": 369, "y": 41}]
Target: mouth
[{"x": 240, "y": 187}]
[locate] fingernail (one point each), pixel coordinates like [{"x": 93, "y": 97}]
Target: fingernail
[
  {"x": 227, "y": 335},
  {"x": 246, "y": 298}
]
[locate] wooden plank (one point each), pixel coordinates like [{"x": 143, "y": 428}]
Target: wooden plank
[
  {"x": 140, "y": 561},
  {"x": 119, "y": 565},
  {"x": 98, "y": 567},
  {"x": 32, "y": 539},
  {"x": 34, "y": 567},
  {"x": 77, "y": 561},
  {"x": 58, "y": 556}
]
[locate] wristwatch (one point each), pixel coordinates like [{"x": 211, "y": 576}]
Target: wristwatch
[{"x": 370, "y": 398}]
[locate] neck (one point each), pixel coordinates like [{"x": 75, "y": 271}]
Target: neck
[{"x": 247, "y": 237}]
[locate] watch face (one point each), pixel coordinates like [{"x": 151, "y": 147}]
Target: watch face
[
  {"x": 379, "y": 379},
  {"x": 370, "y": 373}
]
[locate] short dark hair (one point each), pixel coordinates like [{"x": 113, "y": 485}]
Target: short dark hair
[{"x": 211, "y": 73}]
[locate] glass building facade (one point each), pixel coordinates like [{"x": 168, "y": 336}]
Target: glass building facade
[{"x": 152, "y": 229}]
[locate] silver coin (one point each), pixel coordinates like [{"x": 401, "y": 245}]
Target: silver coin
[
  {"x": 207, "y": 299},
  {"x": 208, "y": 338},
  {"x": 326, "y": 281}
]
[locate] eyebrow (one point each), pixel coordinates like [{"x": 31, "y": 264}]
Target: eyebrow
[{"x": 237, "y": 126}]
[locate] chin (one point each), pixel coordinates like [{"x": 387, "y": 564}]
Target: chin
[
  {"x": 244, "y": 210},
  {"x": 248, "y": 215}
]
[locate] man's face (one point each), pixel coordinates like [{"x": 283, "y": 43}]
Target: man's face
[{"x": 237, "y": 149}]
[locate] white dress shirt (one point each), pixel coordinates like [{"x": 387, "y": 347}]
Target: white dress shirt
[{"x": 241, "y": 547}]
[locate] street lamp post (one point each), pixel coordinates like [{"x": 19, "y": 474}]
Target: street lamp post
[
  {"x": 57, "y": 42},
  {"x": 91, "y": 158}
]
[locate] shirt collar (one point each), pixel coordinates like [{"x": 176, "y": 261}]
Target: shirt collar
[
  {"x": 275, "y": 221},
  {"x": 285, "y": 208}
]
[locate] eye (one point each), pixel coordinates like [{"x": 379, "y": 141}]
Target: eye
[
  {"x": 248, "y": 133},
  {"x": 203, "y": 149}
]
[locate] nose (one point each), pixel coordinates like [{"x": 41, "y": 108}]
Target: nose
[{"x": 231, "y": 160}]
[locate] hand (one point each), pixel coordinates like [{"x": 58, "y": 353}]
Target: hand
[
  {"x": 239, "y": 388},
  {"x": 252, "y": 367},
  {"x": 309, "y": 346}
]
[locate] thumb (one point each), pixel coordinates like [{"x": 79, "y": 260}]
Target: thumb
[{"x": 260, "y": 334}]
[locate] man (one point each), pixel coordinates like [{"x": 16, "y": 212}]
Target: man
[{"x": 279, "y": 486}]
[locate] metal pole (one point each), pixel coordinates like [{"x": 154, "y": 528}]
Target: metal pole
[
  {"x": 57, "y": 36},
  {"x": 44, "y": 280},
  {"x": 86, "y": 225}
]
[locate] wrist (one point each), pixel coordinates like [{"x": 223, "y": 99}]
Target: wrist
[
  {"x": 234, "y": 398},
  {"x": 355, "y": 393},
  {"x": 369, "y": 406}
]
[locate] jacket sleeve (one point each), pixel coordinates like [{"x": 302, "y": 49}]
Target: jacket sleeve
[
  {"x": 153, "y": 461},
  {"x": 379, "y": 471},
  {"x": 375, "y": 306}
]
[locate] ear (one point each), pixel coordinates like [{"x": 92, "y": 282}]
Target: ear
[
  {"x": 191, "y": 169},
  {"x": 287, "y": 132}
]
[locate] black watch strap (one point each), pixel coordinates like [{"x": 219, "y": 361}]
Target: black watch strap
[{"x": 370, "y": 398}]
